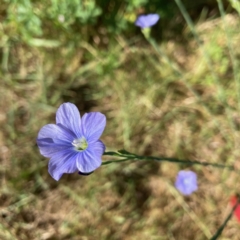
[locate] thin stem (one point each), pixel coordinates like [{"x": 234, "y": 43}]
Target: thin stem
[
  {"x": 189, "y": 162},
  {"x": 116, "y": 161},
  {"x": 130, "y": 156},
  {"x": 219, "y": 231}
]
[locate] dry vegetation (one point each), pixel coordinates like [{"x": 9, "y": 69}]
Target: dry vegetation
[{"x": 151, "y": 110}]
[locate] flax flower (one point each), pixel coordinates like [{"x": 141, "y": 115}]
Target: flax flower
[
  {"x": 72, "y": 144},
  {"x": 186, "y": 182},
  {"x": 146, "y": 21}
]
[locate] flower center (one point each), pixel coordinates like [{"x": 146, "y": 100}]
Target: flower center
[
  {"x": 187, "y": 181},
  {"x": 80, "y": 144}
]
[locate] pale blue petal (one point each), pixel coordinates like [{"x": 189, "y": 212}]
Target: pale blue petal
[
  {"x": 90, "y": 159},
  {"x": 56, "y": 132},
  {"x": 62, "y": 162},
  {"x": 69, "y": 116},
  {"x": 144, "y": 21},
  {"x": 93, "y": 125},
  {"x": 98, "y": 148},
  {"x": 48, "y": 147}
]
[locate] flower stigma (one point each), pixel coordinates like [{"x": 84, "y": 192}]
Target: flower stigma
[{"x": 80, "y": 144}]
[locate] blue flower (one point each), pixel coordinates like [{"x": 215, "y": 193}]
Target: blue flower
[
  {"x": 186, "y": 182},
  {"x": 146, "y": 21},
  {"x": 72, "y": 144}
]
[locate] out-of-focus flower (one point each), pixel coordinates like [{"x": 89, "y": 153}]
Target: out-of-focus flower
[
  {"x": 146, "y": 21},
  {"x": 72, "y": 144},
  {"x": 186, "y": 182},
  {"x": 61, "y": 18},
  {"x": 233, "y": 201}
]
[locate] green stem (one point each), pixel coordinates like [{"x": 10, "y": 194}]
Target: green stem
[
  {"x": 130, "y": 156},
  {"x": 219, "y": 231},
  {"x": 115, "y": 161}
]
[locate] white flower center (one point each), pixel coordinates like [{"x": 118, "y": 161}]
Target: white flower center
[
  {"x": 187, "y": 181},
  {"x": 80, "y": 144}
]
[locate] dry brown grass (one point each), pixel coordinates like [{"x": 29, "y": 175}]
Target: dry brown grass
[{"x": 151, "y": 111}]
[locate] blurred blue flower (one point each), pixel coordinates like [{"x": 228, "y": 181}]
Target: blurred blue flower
[
  {"x": 186, "y": 182},
  {"x": 146, "y": 21},
  {"x": 72, "y": 144}
]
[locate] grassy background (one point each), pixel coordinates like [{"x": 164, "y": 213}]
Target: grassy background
[{"x": 176, "y": 98}]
